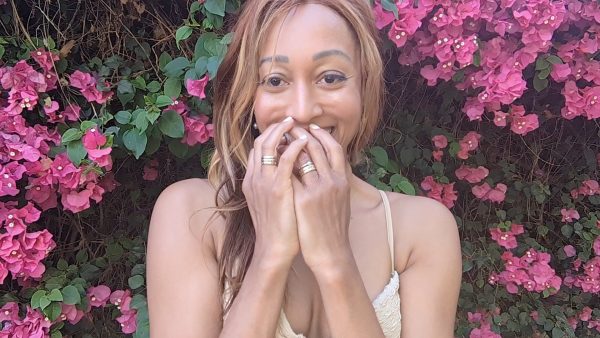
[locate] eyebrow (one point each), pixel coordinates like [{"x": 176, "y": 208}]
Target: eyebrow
[{"x": 319, "y": 55}]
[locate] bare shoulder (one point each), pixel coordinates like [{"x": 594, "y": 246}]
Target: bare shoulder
[
  {"x": 419, "y": 222},
  {"x": 181, "y": 256}
]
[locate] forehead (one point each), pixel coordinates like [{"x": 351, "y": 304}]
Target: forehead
[{"x": 308, "y": 29}]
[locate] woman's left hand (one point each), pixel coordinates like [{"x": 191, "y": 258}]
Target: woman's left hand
[{"x": 322, "y": 202}]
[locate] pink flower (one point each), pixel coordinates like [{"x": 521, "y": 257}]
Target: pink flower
[
  {"x": 443, "y": 193},
  {"x": 500, "y": 118},
  {"x": 560, "y": 72},
  {"x": 486, "y": 193},
  {"x": 569, "y": 250},
  {"x": 440, "y": 141},
  {"x": 471, "y": 175},
  {"x": 568, "y": 215},
  {"x": 44, "y": 58},
  {"x": 87, "y": 85},
  {"x": 128, "y": 321},
  {"x": 98, "y": 295},
  {"x": 469, "y": 142},
  {"x": 596, "y": 246},
  {"x": 196, "y": 87},
  {"x": 437, "y": 155},
  {"x": 93, "y": 139},
  {"x": 586, "y": 314},
  {"x": 525, "y": 124},
  {"x": 76, "y": 201},
  {"x": 197, "y": 130},
  {"x": 70, "y": 313},
  {"x": 382, "y": 17}
]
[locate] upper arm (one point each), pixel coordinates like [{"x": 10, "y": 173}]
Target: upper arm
[
  {"x": 183, "y": 289},
  {"x": 430, "y": 285}
]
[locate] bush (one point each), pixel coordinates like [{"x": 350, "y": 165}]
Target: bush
[{"x": 95, "y": 93}]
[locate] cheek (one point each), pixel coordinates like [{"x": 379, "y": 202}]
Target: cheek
[{"x": 267, "y": 109}]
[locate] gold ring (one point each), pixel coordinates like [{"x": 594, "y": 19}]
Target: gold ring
[
  {"x": 306, "y": 168},
  {"x": 268, "y": 160}
]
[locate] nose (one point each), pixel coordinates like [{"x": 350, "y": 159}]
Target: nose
[{"x": 304, "y": 105}]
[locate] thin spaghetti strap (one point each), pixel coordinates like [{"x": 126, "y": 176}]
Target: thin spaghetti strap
[{"x": 388, "y": 221}]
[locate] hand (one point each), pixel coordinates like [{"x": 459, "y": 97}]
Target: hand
[
  {"x": 322, "y": 202},
  {"x": 269, "y": 194}
]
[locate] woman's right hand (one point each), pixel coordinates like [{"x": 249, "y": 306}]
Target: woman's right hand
[{"x": 269, "y": 194}]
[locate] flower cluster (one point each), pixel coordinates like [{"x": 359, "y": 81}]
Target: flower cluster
[
  {"x": 440, "y": 192},
  {"x": 87, "y": 85},
  {"x": 531, "y": 271},
  {"x": 507, "y": 239},
  {"x": 482, "y": 318},
  {"x": 34, "y": 324},
  {"x": 21, "y": 252},
  {"x": 197, "y": 130}
]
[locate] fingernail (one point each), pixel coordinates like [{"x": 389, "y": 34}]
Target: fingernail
[
  {"x": 314, "y": 126},
  {"x": 287, "y": 119},
  {"x": 303, "y": 137}
]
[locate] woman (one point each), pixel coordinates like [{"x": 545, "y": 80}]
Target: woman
[{"x": 301, "y": 246}]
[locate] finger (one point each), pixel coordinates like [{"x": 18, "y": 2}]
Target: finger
[
  {"x": 288, "y": 158},
  {"x": 334, "y": 151},
  {"x": 258, "y": 146},
  {"x": 316, "y": 152},
  {"x": 272, "y": 140},
  {"x": 250, "y": 163},
  {"x": 307, "y": 172}
]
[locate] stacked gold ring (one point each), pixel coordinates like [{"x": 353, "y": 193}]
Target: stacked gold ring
[
  {"x": 268, "y": 160},
  {"x": 307, "y": 167}
]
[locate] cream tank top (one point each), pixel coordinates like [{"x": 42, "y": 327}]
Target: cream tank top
[{"x": 386, "y": 304}]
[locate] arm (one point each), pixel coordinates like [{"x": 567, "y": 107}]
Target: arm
[
  {"x": 348, "y": 308},
  {"x": 184, "y": 297},
  {"x": 430, "y": 285}
]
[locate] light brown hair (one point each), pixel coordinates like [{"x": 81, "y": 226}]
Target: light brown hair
[{"x": 234, "y": 88}]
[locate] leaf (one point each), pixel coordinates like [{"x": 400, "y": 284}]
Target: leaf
[
  {"x": 380, "y": 155},
  {"x": 44, "y": 302},
  {"x": 2, "y": 51},
  {"x": 182, "y": 33},
  {"x": 56, "y": 334},
  {"x": 539, "y": 84},
  {"x": 216, "y": 7},
  {"x": 171, "y": 124},
  {"x": 135, "y": 281},
  {"x": 176, "y": 67},
  {"x": 70, "y": 295},
  {"x": 85, "y": 125},
  {"x": 212, "y": 66},
  {"x": 76, "y": 152},
  {"x": 36, "y": 297},
  {"x": 81, "y": 256},
  {"x": 140, "y": 120},
  {"x": 123, "y": 116},
  {"x": 62, "y": 264},
  {"x": 178, "y": 149},
  {"x": 406, "y": 187},
  {"x": 201, "y": 65},
  {"x": 390, "y": 6},
  {"x": 544, "y": 73},
  {"x": 138, "y": 301},
  {"x": 52, "y": 311},
  {"x": 135, "y": 141},
  {"x": 55, "y": 295},
  {"x": 71, "y": 134},
  {"x": 163, "y": 101},
  {"x": 173, "y": 87},
  {"x": 163, "y": 60},
  {"x": 541, "y": 63},
  {"x": 153, "y": 86},
  {"x": 554, "y": 59}
]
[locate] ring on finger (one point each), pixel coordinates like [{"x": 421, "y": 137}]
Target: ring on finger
[
  {"x": 268, "y": 160},
  {"x": 307, "y": 167}
]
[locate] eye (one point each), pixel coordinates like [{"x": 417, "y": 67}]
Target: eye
[
  {"x": 273, "y": 81},
  {"x": 333, "y": 78}
]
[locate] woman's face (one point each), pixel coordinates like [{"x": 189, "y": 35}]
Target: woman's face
[{"x": 309, "y": 69}]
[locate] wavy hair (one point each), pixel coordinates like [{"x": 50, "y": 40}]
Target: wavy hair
[{"x": 232, "y": 116}]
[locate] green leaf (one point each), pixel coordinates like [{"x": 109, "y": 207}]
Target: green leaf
[
  {"x": 554, "y": 59},
  {"x": 135, "y": 141},
  {"x": 71, "y": 134},
  {"x": 125, "y": 91},
  {"x": 390, "y": 6},
  {"x": 539, "y": 84},
  {"x": 85, "y": 125},
  {"x": 178, "y": 149},
  {"x": 81, "y": 256},
  {"x": 2, "y": 51},
  {"x": 173, "y": 87},
  {"x": 541, "y": 63},
  {"x": 201, "y": 65},
  {"x": 182, "y": 33},
  {"x": 55, "y": 295},
  {"x": 171, "y": 124},
  {"x": 163, "y": 101},
  {"x": 76, "y": 152},
  {"x": 176, "y": 67},
  {"x": 70, "y": 295},
  {"x": 44, "y": 302},
  {"x": 380, "y": 156},
  {"x": 216, "y": 7},
  {"x": 52, "y": 311},
  {"x": 140, "y": 120},
  {"x": 163, "y": 60},
  {"x": 123, "y": 117},
  {"x": 36, "y": 297},
  {"x": 56, "y": 334},
  {"x": 139, "y": 83},
  {"x": 212, "y": 66},
  {"x": 62, "y": 264},
  {"x": 153, "y": 86},
  {"x": 138, "y": 301},
  {"x": 407, "y": 188},
  {"x": 153, "y": 141},
  {"x": 544, "y": 73},
  {"x": 135, "y": 281}
]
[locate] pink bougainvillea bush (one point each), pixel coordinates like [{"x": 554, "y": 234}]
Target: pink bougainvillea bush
[{"x": 493, "y": 110}]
